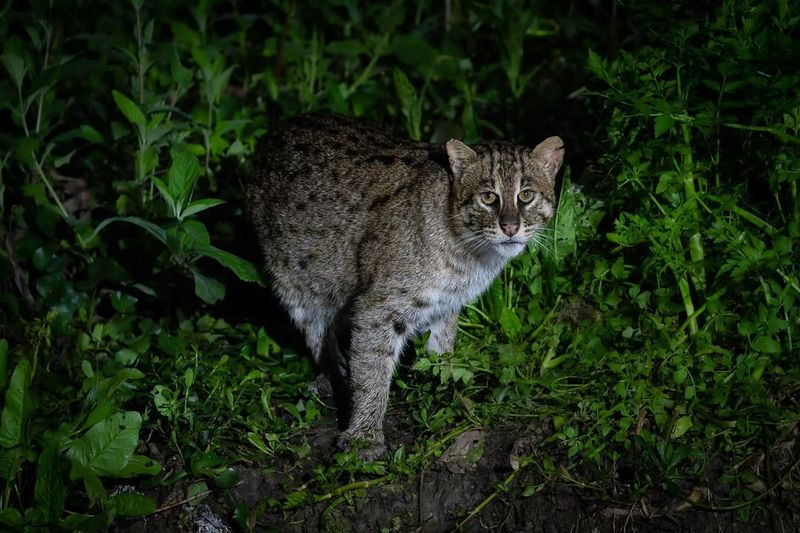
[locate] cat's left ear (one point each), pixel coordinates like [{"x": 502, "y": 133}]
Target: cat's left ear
[
  {"x": 460, "y": 155},
  {"x": 550, "y": 152}
]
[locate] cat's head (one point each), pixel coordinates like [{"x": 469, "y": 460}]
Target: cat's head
[{"x": 503, "y": 193}]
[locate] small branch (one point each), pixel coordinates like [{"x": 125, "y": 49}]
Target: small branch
[{"x": 182, "y": 502}]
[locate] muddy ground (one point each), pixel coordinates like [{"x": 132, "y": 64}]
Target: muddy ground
[{"x": 442, "y": 498}]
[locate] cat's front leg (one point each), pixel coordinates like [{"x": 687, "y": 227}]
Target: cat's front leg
[
  {"x": 443, "y": 334},
  {"x": 375, "y": 347}
]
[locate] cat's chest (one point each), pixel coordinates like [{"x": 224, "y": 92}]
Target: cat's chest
[{"x": 445, "y": 295}]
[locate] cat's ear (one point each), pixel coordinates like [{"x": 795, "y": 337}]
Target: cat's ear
[
  {"x": 550, "y": 154},
  {"x": 460, "y": 155}
]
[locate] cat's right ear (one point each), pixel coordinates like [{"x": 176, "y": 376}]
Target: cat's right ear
[{"x": 460, "y": 155}]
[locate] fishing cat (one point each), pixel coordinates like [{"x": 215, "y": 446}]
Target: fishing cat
[{"x": 369, "y": 240}]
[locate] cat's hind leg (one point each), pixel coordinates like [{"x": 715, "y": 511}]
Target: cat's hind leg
[{"x": 313, "y": 321}]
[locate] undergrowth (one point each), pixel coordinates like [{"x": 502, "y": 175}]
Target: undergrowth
[{"x": 652, "y": 333}]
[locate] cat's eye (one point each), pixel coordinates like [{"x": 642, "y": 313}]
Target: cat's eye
[
  {"x": 488, "y": 197},
  {"x": 526, "y": 196}
]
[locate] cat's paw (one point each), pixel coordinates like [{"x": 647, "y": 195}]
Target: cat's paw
[{"x": 370, "y": 446}]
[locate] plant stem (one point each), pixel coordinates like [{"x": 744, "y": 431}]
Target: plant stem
[
  {"x": 367, "y": 72},
  {"x": 48, "y": 35},
  {"x": 37, "y": 165}
]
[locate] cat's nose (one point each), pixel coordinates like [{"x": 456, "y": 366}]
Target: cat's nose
[{"x": 510, "y": 228}]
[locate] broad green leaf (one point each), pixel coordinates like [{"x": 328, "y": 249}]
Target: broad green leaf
[
  {"x": 510, "y": 322},
  {"x": 132, "y": 504},
  {"x": 182, "y": 175},
  {"x": 94, "y": 487},
  {"x": 184, "y": 34},
  {"x": 682, "y": 425},
  {"x": 108, "y": 445},
  {"x": 217, "y": 84},
  {"x": 50, "y": 491},
  {"x": 156, "y": 231},
  {"x": 196, "y": 231},
  {"x": 110, "y": 385},
  {"x": 129, "y": 109},
  {"x": 415, "y": 51},
  {"x": 766, "y": 345},
  {"x": 90, "y": 134},
  {"x": 207, "y": 288},
  {"x": 197, "y": 491},
  {"x": 200, "y": 205},
  {"x": 245, "y": 270},
  {"x": 227, "y": 479},
  {"x": 11, "y": 517},
  {"x": 11, "y": 419},
  {"x": 663, "y": 124},
  {"x": 103, "y": 410},
  {"x": 140, "y": 465},
  {"x": 11, "y": 460},
  {"x": 16, "y": 67}
]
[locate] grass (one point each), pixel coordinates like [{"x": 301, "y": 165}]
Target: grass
[{"x": 652, "y": 333}]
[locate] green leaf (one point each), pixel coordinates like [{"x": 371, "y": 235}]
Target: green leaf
[
  {"x": 217, "y": 84},
  {"x": 132, "y": 504},
  {"x": 167, "y": 195},
  {"x": 50, "y": 491},
  {"x": 103, "y": 410},
  {"x": 766, "y": 345},
  {"x": 196, "y": 231},
  {"x": 200, "y": 205},
  {"x": 129, "y": 109},
  {"x": 94, "y": 487},
  {"x": 197, "y": 491},
  {"x": 108, "y": 446},
  {"x": 510, "y": 322},
  {"x": 408, "y": 102},
  {"x": 156, "y": 231},
  {"x": 11, "y": 460},
  {"x": 16, "y": 67},
  {"x": 14, "y": 410},
  {"x": 348, "y": 47},
  {"x": 11, "y": 517},
  {"x": 681, "y": 426},
  {"x": 245, "y": 270},
  {"x": 595, "y": 63},
  {"x": 663, "y": 124},
  {"x": 182, "y": 174},
  {"x": 227, "y": 479},
  {"x": 90, "y": 134},
  {"x": 206, "y": 288},
  {"x": 140, "y": 465},
  {"x": 184, "y": 34}
]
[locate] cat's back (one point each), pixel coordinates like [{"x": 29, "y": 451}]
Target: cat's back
[
  {"x": 339, "y": 167},
  {"x": 311, "y": 145}
]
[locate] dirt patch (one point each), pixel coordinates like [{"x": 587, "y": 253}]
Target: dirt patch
[{"x": 459, "y": 491}]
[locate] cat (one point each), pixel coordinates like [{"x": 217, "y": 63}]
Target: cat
[{"x": 369, "y": 239}]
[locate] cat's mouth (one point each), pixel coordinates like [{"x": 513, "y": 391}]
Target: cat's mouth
[{"x": 510, "y": 242}]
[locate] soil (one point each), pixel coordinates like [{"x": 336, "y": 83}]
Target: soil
[{"x": 442, "y": 498}]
